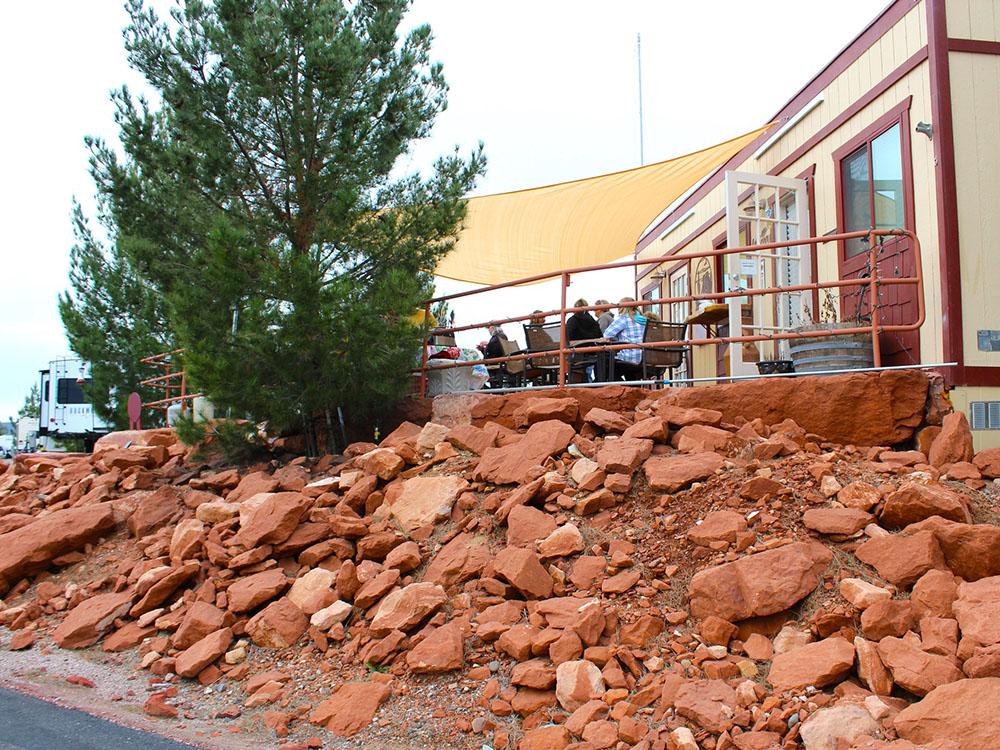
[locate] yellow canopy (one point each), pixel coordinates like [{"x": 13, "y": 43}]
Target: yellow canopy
[{"x": 585, "y": 222}]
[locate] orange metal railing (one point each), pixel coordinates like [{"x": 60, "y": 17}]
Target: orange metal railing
[
  {"x": 173, "y": 381},
  {"x": 872, "y": 282}
]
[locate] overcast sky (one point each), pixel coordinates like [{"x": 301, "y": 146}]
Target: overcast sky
[{"x": 548, "y": 85}]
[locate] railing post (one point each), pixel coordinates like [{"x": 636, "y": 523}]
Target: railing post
[
  {"x": 873, "y": 290},
  {"x": 562, "y": 331},
  {"x": 423, "y": 353}
]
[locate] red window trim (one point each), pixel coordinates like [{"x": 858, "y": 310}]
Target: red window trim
[{"x": 899, "y": 114}]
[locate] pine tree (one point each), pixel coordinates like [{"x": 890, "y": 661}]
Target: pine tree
[
  {"x": 32, "y": 404},
  {"x": 113, "y": 319},
  {"x": 262, "y": 199}
]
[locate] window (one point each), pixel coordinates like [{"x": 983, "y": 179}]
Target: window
[
  {"x": 679, "y": 311},
  {"x": 984, "y": 415},
  {"x": 679, "y": 288},
  {"x": 653, "y": 293},
  {"x": 872, "y": 187},
  {"x": 68, "y": 391}
]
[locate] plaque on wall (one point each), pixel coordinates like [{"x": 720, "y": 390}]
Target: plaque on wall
[{"x": 989, "y": 341}]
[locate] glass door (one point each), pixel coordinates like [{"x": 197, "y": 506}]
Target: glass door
[{"x": 762, "y": 209}]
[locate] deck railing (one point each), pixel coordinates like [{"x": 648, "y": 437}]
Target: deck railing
[
  {"x": 872, "y": 282},
  {"x": 173, "y": 381}
]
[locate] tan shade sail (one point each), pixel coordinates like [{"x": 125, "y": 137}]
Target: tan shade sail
[{"x": 585, "y": 222}]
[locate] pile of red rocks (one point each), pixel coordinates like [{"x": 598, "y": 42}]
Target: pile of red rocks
[{"x": 664, "y": 576}]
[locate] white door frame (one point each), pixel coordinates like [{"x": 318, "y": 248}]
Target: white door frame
[{"x": 735, "y": 262}]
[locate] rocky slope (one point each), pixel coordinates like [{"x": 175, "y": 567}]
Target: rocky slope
[{"x": 656, "y": 575}]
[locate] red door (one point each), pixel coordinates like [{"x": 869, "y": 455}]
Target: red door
[{"x": 875, "y": 189}]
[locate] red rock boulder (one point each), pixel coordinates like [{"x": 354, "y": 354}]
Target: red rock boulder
[
  {"x": 882, "y": 408},
  {"x": 405, "y": 608},
  {"x": 836, "y": 521},
  {"x": 462, "y": 558},
  {"x": 249, "y": 592},
  {"x": 822, "y": 663},
  {"x": 711, "y": 704},
  {"x": 977, "y": 610},
  {"x": 425, "y": 500},
  {"x": 440, "y": 651},
  {"x": 673, "y": 473},
  {"x": 194, "y": 659},
  {"x": 914, "y": 502},
  {"x": 273, "y": 521},
  {"x": 89, "y": 620},
  {"x": 956, "y": 711},
  {"x": 717, "y": 526},
  {"x": 988, "y": 462},
  {"x": 511, "y": 464},
  {"x": 534, "y": 410},
  {"x": 760, "y": 584},
  {"x": 31, "y": 548},
  {"x": 971, "y": 551},
  {"x": 279, "y": 625},
  {"x": 524, "y": 571},
  {"x": 901, "y": 559},
  {"x": 953, "y": 443},
  {"x": 916, "y": 670},
  {"x": 351, "y": 708},
  {"x": 154, "y": 510}
]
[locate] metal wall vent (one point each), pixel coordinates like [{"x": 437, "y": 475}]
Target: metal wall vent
[{"x": 984, "y": 415}]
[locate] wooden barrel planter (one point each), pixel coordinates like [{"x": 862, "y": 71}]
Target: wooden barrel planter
[{"x": 841, "y": 352}]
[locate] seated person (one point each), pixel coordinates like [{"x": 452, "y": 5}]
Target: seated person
[
  {"x": 628, "y": 328},
  {"x": 606, "y": 316},
  {"x": 582, "y": 325},
  {"x": 537, "y": 318},
  {"x": 494, "y": 348}
]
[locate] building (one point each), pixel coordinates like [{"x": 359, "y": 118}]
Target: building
[{"x": 902, "y": 125}]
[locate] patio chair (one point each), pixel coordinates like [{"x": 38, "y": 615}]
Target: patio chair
[
  {"x": 507, "y": 374},
  {"x": 541, "y": 338},
  {"x": 670, "y": 356}
]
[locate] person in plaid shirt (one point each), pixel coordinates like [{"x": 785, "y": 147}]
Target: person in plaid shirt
[{"x": 628, "y": 328}]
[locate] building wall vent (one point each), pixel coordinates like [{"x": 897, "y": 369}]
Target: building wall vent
[{"x": 984, "y": 415}]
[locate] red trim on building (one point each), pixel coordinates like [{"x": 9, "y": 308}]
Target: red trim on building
[
  {"x": 857, "y": 47},
  {"x": 979, "y": 376},
  {"x": 976, "y": 46},
  {"x": 898, "y": 114},
  {"x": 946, "y": 192}
]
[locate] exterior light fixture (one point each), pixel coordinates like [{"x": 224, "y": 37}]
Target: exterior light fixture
[{"x": 926, "y": 128}]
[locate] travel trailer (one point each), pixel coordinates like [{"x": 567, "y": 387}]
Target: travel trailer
[{"x": 65, "y": 410}]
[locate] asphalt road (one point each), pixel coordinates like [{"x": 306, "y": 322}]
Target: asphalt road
[{"x": 27, "y": 723}]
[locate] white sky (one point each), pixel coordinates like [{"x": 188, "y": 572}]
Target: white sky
[{"x": 548, "y": 85}]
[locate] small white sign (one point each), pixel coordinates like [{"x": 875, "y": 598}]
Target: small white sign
[{"x": 748, "y": 266}]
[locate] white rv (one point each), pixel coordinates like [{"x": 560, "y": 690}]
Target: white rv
[
  {"x": 65, "y": 410},
  {"x": 27, "y": 435}
]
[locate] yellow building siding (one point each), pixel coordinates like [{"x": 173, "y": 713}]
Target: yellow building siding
[
  {"x": 973, "y": 19},
  {"x": 975, "y": 89}
]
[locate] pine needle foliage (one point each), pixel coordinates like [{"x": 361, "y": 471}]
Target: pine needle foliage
[{"x": 264, "y": 200}]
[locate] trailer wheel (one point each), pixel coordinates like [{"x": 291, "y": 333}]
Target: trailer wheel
[{"x": 89, "y": 441}]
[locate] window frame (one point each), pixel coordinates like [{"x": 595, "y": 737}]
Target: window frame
[{"x": 898, "y": 115}]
